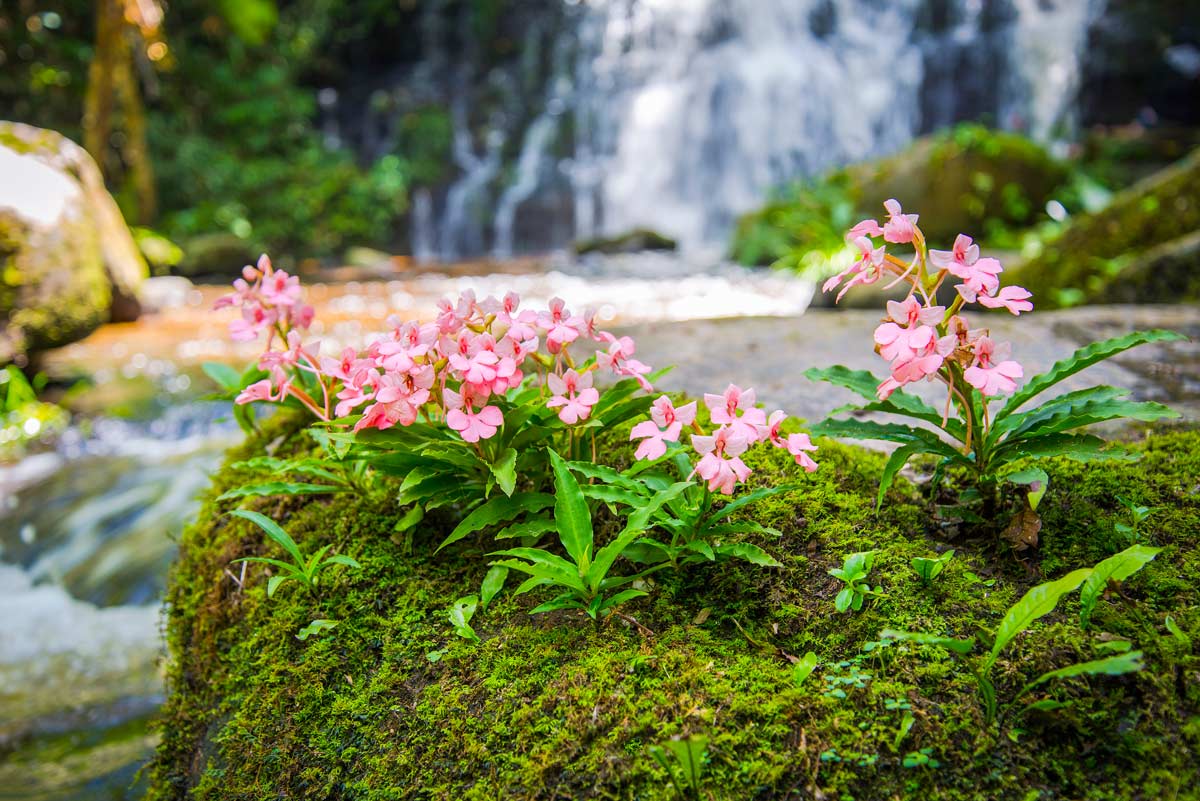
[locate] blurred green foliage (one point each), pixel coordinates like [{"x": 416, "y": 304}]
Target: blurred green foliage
[{"x": 232, "y": 109}]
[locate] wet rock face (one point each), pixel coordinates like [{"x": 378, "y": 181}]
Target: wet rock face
[{"x": 67, "y": 260}]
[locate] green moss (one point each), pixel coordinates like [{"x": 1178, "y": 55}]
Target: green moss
[{"x": 548, "y": 707}]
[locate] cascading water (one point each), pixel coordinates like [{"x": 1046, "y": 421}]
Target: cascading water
[{"x": 682, "y": 114}]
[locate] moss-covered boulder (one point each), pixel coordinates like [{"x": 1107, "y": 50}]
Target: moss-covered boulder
[
  {"x": 968, "y": 179},
  {"x": 390, "y": 704},
  {"x": 635, "y": 241},
  {"x": 67, "y": 260},
  {"x": 1094, "y": 251},
  {"x": 218, "y": 256}
]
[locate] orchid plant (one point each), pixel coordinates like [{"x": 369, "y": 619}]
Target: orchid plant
[
  {"x": 492, "y": 396},
  {"x": 923, "y": 339}
]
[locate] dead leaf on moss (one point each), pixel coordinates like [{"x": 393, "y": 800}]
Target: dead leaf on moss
[{"x": 1023, "y": 530}]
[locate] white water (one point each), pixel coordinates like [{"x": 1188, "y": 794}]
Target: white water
[{"x": 686, "y": 113}]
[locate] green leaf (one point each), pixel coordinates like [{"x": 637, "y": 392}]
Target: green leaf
[
  {"x": 920, "y": 638},
  {"x": 747, "y": 552},
  {"x": 608, "y": 475},
  {"x": 273, "y": 531},
  {"x": 1021, "y": 421},
  {"x": 413, "y": 516},
  {"x": 844, "y": 599},
  {"x": 543, "y": 565},
  {"x": 292, "y": 570},
  {"x": 624, "y": 596},
  {"x": 281, "y": 488},
  {"x": 1081, "y": 359},
  {"x": 273, "y": 584},
  {"x": 1036, "y": 603},
  {"x": 315, "y": 627},
  {"x": 499, "y": 509},
  {"x": 1115, "y": 568},
  {"x": 1080, "y": 447},
  {"x": 889, "y": 432},
  {"x": 749, "y": 498},
  {"x": 1179, "y": 634},
  {"x": 804, "y": 668},
  {"x": 740, "y": 527},
  {"x": 493, "y": 582},
  {"x": 1130, "y": 662},
  {"x": 895, "y": 464},
  {"x": 527, "y": 528},
  {"x": 505, "y": 471},
  {"x": 1085, "y": 414},
  {"x": 1036, "y": 479},
  {"x": 342, "y": 559},
  {"x": 565, "y": 601},
  {"x": 634, "y": 526},
  {"x": 929, "y": 569},
  {"x": 571, "y": 514},
  {"x": 900, "y": 402},
  {"x": 224, "y": 376},
  {"x": 612, "y": 495}
]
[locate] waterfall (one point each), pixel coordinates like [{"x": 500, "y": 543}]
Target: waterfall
[{"x": 679, "y": 115}]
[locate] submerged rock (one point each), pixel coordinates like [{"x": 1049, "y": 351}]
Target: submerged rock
[
  {"x": 67, "y": 260},
  {"x": 635, "y": 241}
]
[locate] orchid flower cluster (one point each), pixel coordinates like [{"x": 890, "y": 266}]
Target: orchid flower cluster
[
  {"x": 450, "y": 369},
  {"x": 923, "y": 340},
  {"x": 740, "y": 425}
]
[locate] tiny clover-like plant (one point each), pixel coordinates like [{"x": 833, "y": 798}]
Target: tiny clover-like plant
[
  {"x": 853, "y": 572},
  {"x": 930, "y": 568},
  {"x": 583, "y": 576},
  {"x": 305, "y": 570},
  {"x": 925, "y": 341},
  {"x": 683, "y": 760},
  {"x": 1038, "y": 602}
]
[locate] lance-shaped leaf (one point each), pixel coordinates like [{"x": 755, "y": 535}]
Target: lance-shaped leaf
[
  {"x": 282, "y": 488},
  {"x": 571, "y": 514},
  {"x": 1117, "y": 567},
  {"x": 635, "y": 525},
  {"x": 499, "y": 509},
  {"x": 958, "y": 646},
  {"x": 749, "y": 498},
  {"x": 1129, "y": 662},
  {"x": 1083, "y": 358},
  {"x": 1038, "y": 602},
  {"x": 273, "y": 531}
]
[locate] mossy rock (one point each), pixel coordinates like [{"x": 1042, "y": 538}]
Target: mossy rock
[
  {"x": 1093, "y": 250},
  {"x": 392, "y": 705},
  {"x": 215, "y": 256},
  {"x": 67, "y": 261},
  {"x": 969, "y": 179},
  {"x": 635, "y": 241}
]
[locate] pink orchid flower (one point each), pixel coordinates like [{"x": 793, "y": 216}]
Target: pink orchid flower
[
  {"x": 865, "y": 228},
  {"x": 993, "y": 373},
  {"x": 720, "y": 464},
  {"x": 910, "y": 328},
  {"x": 359, "y": 389},
  {"x": 900, "y": 228},
  {"x": 735, "y": 407},
  {"x": 619, "y": 359},
  {"x": 471, "y": 425},
  {"x": 1013, "y": 298},
  {"x": 799, "y": 446},
  {"x": 867, "y": 270},
  {"x": 281, "y": 289},
  {"x": 255, "y": 319},
  {"x": 665, "y": 425},
  {"x": 560, "y": 327},
  {"x": 573, "y": 396},
  {"x": 258, "y": 391}
]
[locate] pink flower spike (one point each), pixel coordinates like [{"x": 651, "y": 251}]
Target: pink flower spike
[
  {"x": 573, "y": 395},
  {"x": 560, "y": 327},
  {"x": 1013, "y": 298},
  {"x": 900, "y": 228},
  {"x": 799, "y": 446},
  {"x": 867, "y": 270}
]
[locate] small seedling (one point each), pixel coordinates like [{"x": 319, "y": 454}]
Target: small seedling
[
  {"x": 929, "y": 569},
  {"x": 460, "y": 617},
  {"x": 687, "y": 767},
  {"x": 302, "y": 569},
  {"x": 854, "y": 572},
  {"x": 1137, "y": 515}
]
